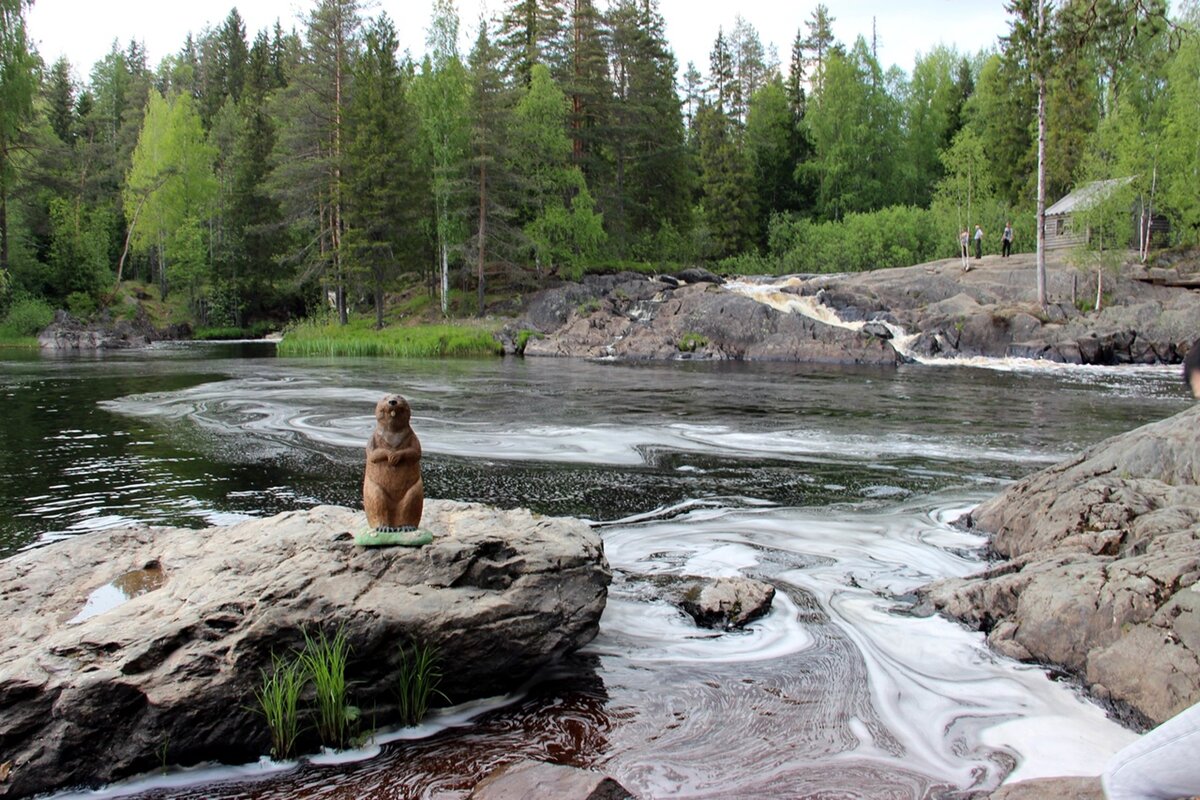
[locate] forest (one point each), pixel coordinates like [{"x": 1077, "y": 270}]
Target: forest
[{"x": 313, "y": 169}]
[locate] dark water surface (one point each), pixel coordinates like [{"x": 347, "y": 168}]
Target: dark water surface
[{"x": 839, "y": 486}]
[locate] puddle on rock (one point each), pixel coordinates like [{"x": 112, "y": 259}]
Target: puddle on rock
[{"x": 134, "y": 583}]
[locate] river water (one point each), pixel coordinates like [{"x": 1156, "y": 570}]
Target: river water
[{"x": 840, "y": 486}]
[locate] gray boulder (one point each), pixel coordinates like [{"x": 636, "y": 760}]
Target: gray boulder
[
  {"x": 725, "y": 602},
  {"x": 1104, "y": 553},
  {"x": 92, "y": 693}
]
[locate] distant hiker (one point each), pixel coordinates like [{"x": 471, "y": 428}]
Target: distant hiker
[
  {"x": 1006, "y": 241},
  {"x": 964, "y": 244},
  {"x": 978, "y": 242}
]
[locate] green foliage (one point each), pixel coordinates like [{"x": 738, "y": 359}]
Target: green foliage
[
  {"x": 81, "y": 305},
  {"x": 324, "y": 660},
  {"x": 279, "y": 702},
  {"x": 26, "y": 317},
  {"x": 892, "y": 237},
  {"x": 690, "y": 342},
  {"x": 416, "y": 681},
  {"x": 319, "y": 338}
]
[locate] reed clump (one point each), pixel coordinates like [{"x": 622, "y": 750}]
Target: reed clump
[
  {"x": 322, "y": 665},
  {"x": 358, "y": 339},
  {"x": 324, "y": 661},
  {"x": 416, "y": 681},
  {"x": 279, "y": 702}
]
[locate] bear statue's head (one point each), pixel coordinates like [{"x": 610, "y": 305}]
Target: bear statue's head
[{"x": 392, "y": 412}]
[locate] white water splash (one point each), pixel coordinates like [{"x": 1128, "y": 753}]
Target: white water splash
[{"x": 783, "y": 295}]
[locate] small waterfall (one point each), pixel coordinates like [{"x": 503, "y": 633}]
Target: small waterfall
[{"x": 784, "y": 296}]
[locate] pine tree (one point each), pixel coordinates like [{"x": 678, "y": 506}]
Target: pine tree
[
  {"x": 725, "y": 87},
  {"x": 18, "y": 83},
  {"x": 535, "y": 32},
  {"x": 652, "y": 179},
  {"x": 820, "y": 42},
  {"x": 496, "y": 239},
  {"x": 60, "y": 96},
  {"x": 308, "y": 181},
  {"x": 726, "y": 185},
  {"x": 385, "y": 188}
]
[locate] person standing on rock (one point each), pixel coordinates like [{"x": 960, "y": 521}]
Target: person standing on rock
[
  {"x": 978, "y": 242},
  {"x": 1006, "y": 241},
  {"x": 1191, "y": 369},
  {"x": 964, "y": 245}
]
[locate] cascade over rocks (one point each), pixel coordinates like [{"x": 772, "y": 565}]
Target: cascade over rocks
[
  {"x": 1103, "y": 569},
  {"x": 989, "y": 311},
  {"x": 94, "y": 685},
  {"x": 631, "y": 317}
]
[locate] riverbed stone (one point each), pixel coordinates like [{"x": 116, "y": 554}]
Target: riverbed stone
[
  {"x": 498, "y": 594},
  {"x": 728, "y": 602},
  {"x": 538, "y": 779},
  {"x": 1103, "y": 557}
]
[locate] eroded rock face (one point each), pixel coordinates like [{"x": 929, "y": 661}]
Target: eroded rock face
[
  {"x": 641, "y": 320},
  {"x": 499, "y": 594},
  {"x": 1105, "y": 559}
]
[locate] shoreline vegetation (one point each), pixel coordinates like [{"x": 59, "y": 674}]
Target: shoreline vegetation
[{"x": 358, "y": 339}]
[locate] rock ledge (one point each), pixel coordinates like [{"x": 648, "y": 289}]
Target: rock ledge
[{"x": 91, "y": 697}]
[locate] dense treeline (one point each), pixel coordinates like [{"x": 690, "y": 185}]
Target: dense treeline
[{"x": 253, "y": 177}]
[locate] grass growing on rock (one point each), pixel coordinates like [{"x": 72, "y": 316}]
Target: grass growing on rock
[
  {"x": 325, "y": 338},
  {"x": 416, "y": 682},
  {"x": 279, "y": 702},
  {"x": 324, "y": 660}
]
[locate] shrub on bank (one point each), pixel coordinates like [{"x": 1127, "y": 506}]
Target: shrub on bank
[{"x": 25, "y": 318}]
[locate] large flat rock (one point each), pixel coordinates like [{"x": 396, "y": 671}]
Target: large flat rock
[
  {"x": 1104, "y": 553},
  {"x": 90, "y": 697}
]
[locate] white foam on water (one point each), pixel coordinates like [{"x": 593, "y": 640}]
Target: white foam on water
[{"x": 938, "y": 689}]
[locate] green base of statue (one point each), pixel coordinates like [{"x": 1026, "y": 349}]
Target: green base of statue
[{"x": 383, "y": 536}]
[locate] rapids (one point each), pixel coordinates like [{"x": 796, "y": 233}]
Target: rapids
[{"x": 839, "y": 486}]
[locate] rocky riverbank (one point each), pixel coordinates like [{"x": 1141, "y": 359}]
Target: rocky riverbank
[
  {"x": 943, "y": 311},
  {"x": 1101, "y": 569},
  {"x": 129, "y": 648}
]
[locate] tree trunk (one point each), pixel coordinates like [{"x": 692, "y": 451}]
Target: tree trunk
[
  {"x": 1041, "y": 167},
  {"x": 445, "y": 257},
  {"x": 482, "y": 232}
]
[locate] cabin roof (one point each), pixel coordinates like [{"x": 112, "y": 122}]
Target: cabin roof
[{"x": 1087, "y": 194}]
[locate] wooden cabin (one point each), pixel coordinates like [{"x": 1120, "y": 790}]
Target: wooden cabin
[{"x": 1061, "y": 232}]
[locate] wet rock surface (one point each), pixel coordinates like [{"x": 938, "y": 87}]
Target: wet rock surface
[
  {"x": 724, "y": 602},
  {"x": 174, "y": 658},
  {"x": 991, "y": 311},
  {"x": 1103, "y": 561},
  {"x": 636, "y": 318}
]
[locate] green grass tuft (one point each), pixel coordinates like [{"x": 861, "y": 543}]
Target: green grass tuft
[
  {"x": 325, "y": 660},
  {"x": 279, "y": 702},
  {"x": 320, "y": 338},
  {"x": 416, "y": 681},
  {"x": 691, "y": 342}
]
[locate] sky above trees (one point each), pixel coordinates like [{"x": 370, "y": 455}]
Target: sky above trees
[{"x": 83, "y": 30}]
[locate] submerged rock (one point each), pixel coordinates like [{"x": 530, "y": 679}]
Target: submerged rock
[
  {"x": 183, "y": 622},
  {"x": 536, "y": 779},
  {"x": 1104, "y": 553}
]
